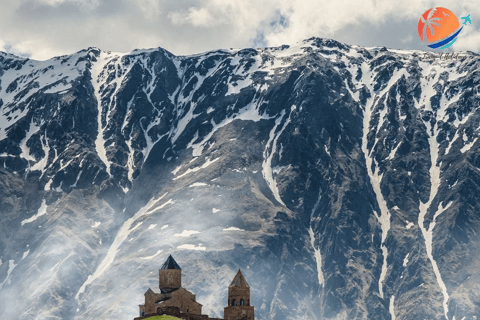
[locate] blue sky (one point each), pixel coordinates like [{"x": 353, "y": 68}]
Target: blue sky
[{"x": 45, "y": 28}]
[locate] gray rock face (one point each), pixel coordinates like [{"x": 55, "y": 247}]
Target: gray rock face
[{"x": 342, "y": 180}]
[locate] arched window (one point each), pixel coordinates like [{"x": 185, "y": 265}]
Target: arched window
[
  {"x": 241, "y": 302},
  {"x": 234, "y": 302},
  {"x": 143, "y": 313}
]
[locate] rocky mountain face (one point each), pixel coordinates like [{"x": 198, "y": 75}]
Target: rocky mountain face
[{"x": 344, "y": 181}]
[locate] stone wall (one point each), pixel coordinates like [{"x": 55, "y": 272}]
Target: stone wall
[
  {"x": 239, "y": 313},
  {"x": 185, "y": 301}
]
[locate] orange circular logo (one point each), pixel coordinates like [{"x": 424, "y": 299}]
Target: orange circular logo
[{"x": 438, "y": 28}]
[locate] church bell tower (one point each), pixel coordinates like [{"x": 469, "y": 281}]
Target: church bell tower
[
  {"x": 239, "y": 300},
  {"x": 170, "y": 276}
]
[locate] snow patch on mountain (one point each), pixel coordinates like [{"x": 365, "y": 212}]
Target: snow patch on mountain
[
  {"x": 318, "y": 257},
  {"x": 96, "y": 224},
  {"x": 25, "y": 254},
  {"x": 11, "y": 266},
  {"x": 248, "y": 113},
  {"x": 23, "y": 144},
  {"x": 198, "y": 184},
  {"x": 192, "y": 247},
  {"x": 186, "y": 233},
  {"x": 468, "y": 146},
  {"x": 405, "y": 260},
  {"x": 41, "y": 211},
  {"x": 205, "y": 165},
  {"x": 152, "y": 256},
  {"x": 391, "y": 307}
]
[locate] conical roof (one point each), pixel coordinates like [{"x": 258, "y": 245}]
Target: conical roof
[
  {"x": 239, "y": 280},
  {"x": 170, "y": 264}
]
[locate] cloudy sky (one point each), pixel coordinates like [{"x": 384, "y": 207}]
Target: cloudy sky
[{"x": 45, "y": 28}]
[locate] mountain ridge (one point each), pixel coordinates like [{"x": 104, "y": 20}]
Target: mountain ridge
[{"x": 341, "y": 176}]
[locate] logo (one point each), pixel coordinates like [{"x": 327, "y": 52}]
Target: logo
[{"x": 439, "y": 27}]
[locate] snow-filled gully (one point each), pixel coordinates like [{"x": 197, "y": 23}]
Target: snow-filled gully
[
  {"x": 316, "y": 251},
  {"x": 435, "y": 180},
  {"x": 96, "y": 71},
  {"x": 98, "y": 78},
  {"x": 376, "y": 176},
  {"x": 428, "y": 82},
  {"x": 423, "y": 207},
  {"x": 267, "y": 162}
]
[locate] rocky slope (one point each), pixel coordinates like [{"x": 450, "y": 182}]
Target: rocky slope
[{"x": 342, "y": 180}]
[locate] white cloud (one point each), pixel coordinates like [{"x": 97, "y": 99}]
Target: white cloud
[
  {"x": 196, "y": 17},
  {"x": 83, "y": 4},
  {"x": 51, "y": 2},
  {"x": 468, "y": 40},
  {"x": 336, "y": 19},
  {"x": 151, "y": 8},
  {"x": 44, "y": 28},
  {"x": 233, "y": 229}
]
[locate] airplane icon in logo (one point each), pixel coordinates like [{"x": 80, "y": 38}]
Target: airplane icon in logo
[{"x": 466, "y": 19}]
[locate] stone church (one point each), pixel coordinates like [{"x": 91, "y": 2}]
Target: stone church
[{"x": 176, "y": 301}]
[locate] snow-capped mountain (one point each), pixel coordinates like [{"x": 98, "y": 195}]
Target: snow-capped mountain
[{"x": 344, "y": 181}]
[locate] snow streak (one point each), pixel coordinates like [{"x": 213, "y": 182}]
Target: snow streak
[
  {"x": 391, "y": 308},
  {"x": 11, "y": 266},
  {"x": 267, "y": 162},
  {"x": 122, "y": 234},
  {"x": 375, "y": 176},
  {"x": 100, "y": 76},
  {"x": 96, "y": 71},
  {"x": 435, "y": 180},
  {"x": 41, "y": 211},
  {"x": 317, "y": 253},
  {"x": 428, "y": 232},
  {"x": 318, "y": 257}
]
